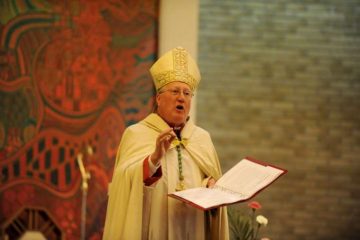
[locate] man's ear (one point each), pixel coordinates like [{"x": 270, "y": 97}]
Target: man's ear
[{"x": 157, "y": 98}]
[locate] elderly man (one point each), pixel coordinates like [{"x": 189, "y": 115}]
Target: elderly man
[{"x": 163, "y": 153}]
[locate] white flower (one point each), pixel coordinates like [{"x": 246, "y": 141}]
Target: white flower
[{"x": 262, "y": 220}]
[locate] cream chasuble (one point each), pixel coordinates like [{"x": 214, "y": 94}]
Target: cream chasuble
[{"x": 136, "y": 211}]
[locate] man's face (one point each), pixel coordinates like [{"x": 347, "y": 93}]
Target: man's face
[{"x": 174, "y": 101}]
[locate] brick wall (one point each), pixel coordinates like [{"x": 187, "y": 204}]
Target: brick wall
[{"x": 281, "y": 83}]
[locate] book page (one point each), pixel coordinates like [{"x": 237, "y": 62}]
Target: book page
[
  {"x": 238, "y": 184},
  {"x": 247, "y": 177},
  {"x": 208, "y": 197}
]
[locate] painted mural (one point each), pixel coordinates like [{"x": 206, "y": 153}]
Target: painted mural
[{"x": 73, "y": 74}]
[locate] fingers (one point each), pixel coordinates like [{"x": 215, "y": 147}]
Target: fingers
[
  {"x": 168, "y": 132},
  {"x": 163, "y": 142},
  {"x": 211, "y": 183},
  {"x": 166, "y": 136}
]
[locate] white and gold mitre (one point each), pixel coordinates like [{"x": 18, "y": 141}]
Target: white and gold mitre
[{"x": 175, "y": 66}]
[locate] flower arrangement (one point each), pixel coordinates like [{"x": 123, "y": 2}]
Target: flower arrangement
[{"x": 246, "y": 226}]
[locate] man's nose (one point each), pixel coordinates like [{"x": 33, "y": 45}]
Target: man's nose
[{"x": 181, "y": 97}]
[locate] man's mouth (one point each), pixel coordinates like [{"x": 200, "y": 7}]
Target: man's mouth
[{"x": 180, "y": 107}]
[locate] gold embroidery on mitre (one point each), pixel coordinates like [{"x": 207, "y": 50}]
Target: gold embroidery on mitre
[
  {"x": 180, "y": 60},
  {"x": 175, "y": 65},
  {"x": 174, "y": 76}
]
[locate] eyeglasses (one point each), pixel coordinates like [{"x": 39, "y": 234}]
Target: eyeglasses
[{"x": 177, "y": 92}]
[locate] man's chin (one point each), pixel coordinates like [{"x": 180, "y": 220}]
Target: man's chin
[{"x": 179, "y": 120}]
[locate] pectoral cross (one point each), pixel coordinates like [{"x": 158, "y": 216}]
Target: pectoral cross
[{"x": 180, "y": 186}]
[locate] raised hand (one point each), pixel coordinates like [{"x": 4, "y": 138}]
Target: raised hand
[{"x": 163, "y": 142}]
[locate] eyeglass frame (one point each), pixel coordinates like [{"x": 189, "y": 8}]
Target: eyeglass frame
[{"x": 177, "y": 91}]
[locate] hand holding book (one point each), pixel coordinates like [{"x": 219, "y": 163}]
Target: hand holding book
[{"x": 242, "y": 182}]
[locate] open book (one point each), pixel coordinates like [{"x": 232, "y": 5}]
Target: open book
[{"x": 242, "y": 182}]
